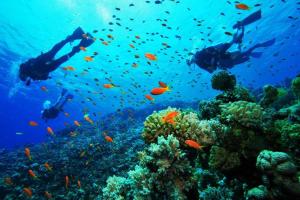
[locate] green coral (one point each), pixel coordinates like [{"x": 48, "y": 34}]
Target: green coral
[
  {"x": 289, "y": 132},
  {"x": 259, "y": 193},
  {"x": 271, "y": 94},
  {"x": 243, "y": 113},
  {"x": 186, "y": 126},
  {"x": 296, "y": 87},
  {"x": 163, "y": 171},
  {"x": 223, "y": 160},
  {"x": 223, "y": 81},
  {"x": 116, "y": 188},
  {"x": 280, "y": 172},
  {"x": 239, "y": 93}
]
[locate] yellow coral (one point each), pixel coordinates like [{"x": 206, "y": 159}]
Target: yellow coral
[{"x": 186, "y": 126}]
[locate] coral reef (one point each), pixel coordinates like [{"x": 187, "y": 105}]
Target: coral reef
[
  {"x": 280, "y": 174},
  {"x": 270, "y": 95},
  {"x": 186, "y": 126},
  {"x": 242, "y": 112},
  {"x": 257, "y": 193},
  {"x": 296, "y": 87},
  {"x": 223, "y": 81},
  {"x": 209, "y": 109},
  {"x": 221, "y": 159},
  {"x": 245, "y": 149},
  {"x": 289, "y": 135},
  {"x": 239, "y": 93},
  {"x": 163, "y": 172}
]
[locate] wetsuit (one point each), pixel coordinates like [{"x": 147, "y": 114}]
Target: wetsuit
[
  {"x": 214, "y": 57},
  {"x": 40, "y": 67},
  {"x": 53, "y": 112}
]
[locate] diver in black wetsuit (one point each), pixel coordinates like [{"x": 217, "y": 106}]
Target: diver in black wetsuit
[
  {"x": 51, "y": 112},
  {"x": 212, "y": 58},
  {"x": 39, "y": 68}
]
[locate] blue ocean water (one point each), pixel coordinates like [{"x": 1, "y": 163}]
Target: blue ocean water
[{"x": 29, "y": 27}]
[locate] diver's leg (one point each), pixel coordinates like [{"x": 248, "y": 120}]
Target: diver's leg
[
  {"x": 221, "y": 48},
  {"x": 56, "y": 63},
  {"x": 76, "y": 35},
  {"x": 238, "y": 37}
]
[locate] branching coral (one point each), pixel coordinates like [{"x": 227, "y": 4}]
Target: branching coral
[
  {"x": 163, "y": 172},
  {"x": 244, "y": 113}
]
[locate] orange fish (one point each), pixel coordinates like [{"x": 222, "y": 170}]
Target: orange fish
[
  {"x": 87, "y": 118},
  {"x": 77, "y": 123},
  {"x": 32, "y": 174},
  {"x": 67, "y": 114},
  {"x": 132, "y": 46},
  {"x": 242, "y": 6},
  {"x": 169, "y": 117},
  {"x": 67, "y": 182},
  {"x": 105, "y": 43},
  {"x": 8, "y": 181},
  {"x": 88, "y": 58},
  {"x": 79, "y": 183},
  {"x": 48, "y": 195},
  {"x": 27, "y": 153},
  {"x": 33, "y": 123},
  {"x": 82, "y": 48},
  {"x": 50, "y": 131},
  {"x": 193, "y": 144},
  {"x": 158, "y": 91},
  {"x": 149, "y": 97},
  {"x": 28, "y": 192},
  {"x": 69, "y": 68},
  {"x": 137, "y": 37},
  {"x": 109, "y": 85},
  {"x": 47, "y": 166},
  {"x": 162, "y": 84},
  {"x": 108, "y": 139},
  {"x": 43, "y": 88},
  {"x": 150, "y": 56}
]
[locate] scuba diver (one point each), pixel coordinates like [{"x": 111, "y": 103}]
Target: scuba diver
[
  {"x": 51, "y": 112},
  {"x": 39, "y": 68},
  {"x": 214, "y": 57}
]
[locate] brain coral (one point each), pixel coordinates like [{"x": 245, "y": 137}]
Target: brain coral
[{"x": 243, "y": 113}]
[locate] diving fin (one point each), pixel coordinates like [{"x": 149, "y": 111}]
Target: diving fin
[
  {"x": 248, "y": 20},
  {"x": 63, "y": 92},
  {"x": 86, "y": 42},
  {"x": 69, "y": 96},
  {"x": 267, "y": 43},
  {"x": 256, "y": 54}
]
